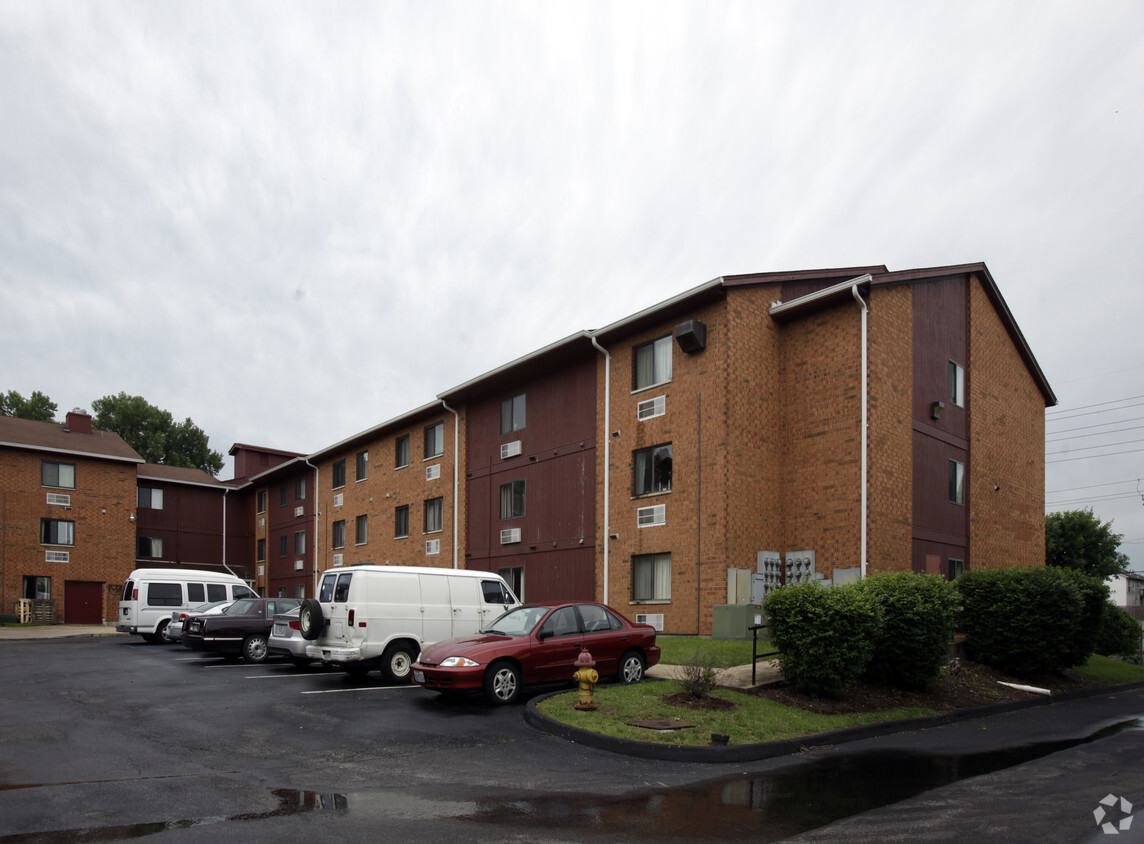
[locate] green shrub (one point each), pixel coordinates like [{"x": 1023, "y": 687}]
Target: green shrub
[
  {"x": 1026, "y": 621},
  {"x": 1119, "y": 633},
  {"x": 913, "y": 642},
  {"x": 1094, "y": 598},
  {"x": 825, "y": 634},
  {"x": 698, "y": 676}
]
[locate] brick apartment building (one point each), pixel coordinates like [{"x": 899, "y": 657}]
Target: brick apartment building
[{"x": 753, "y": 430}]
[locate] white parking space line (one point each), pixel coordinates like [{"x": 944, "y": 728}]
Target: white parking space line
[{"x": 368, "y": 689}]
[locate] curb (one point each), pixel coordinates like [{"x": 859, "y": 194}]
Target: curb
[{"x": 786, "y": 747}]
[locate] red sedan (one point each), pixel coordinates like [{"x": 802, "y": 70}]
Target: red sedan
[{"x": 538, "y": 644}]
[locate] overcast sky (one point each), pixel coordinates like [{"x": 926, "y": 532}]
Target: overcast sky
[{"x": 293, "y": 221}]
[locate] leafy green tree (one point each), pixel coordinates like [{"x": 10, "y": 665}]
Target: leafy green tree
[
  {"x": 37, "y": 406},
  {"x": 155, "y": 434},
  {"x": 1076, "y": 539}
]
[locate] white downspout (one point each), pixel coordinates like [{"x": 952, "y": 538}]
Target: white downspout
[
  {"x": 317, "y": 525},
  {"x": 865, "y": 416},
  {"x": 607, "y": 455},
  {"x": 225, "y": 492},
  {"x": 456, "y": 474}
]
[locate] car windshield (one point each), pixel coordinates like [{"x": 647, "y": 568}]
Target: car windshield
[
  {"x": 518, "y": 622},
  {"x": 240, "y": 608}
]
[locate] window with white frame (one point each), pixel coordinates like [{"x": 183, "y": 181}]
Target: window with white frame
[
  {"x": 261, "y": 551},
  {"x": 300, "y": 489},
  {"x": 401, "y": 452},
  {"x": 361, "y": 530},
  {"x": 362, "y": 465},
  {"x": 512, "y": 416},
  {"x": 149, "y": 547},
  {"x": 338, "y": 540},
  {"x": 651, "y": 577},
  {"x": 299, "y": 542},
  {"x": 401, "y": 522},
  {"x": 434, "y": 515},
  {"x": 651, "y": 470},
  {"x": 652, "y": 363},
  {"x": 61, "y": 475},
  {"x": 956, "y": 384},
  {"x": 261, "y": 501},
  {"x": 435, "y": 440},
  {"x": 149, "y": 499},
  {"x": 956, "y": 482},
  {"x": 339, "y": 473},
  {"x": 512, "y": 500}
]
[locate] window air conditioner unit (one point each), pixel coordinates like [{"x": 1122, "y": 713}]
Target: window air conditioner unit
[
  {"x": 432, "y": 546},
  {"x": 59, "y": 498},
  {"x": 511, "y": 449},
  {"x": 298, "y": 565},
  {"x": 651, "y": 516},
  {"x": 261, "y": 570},
  {"x": 655, "y": 619},
  {"x": 57, "y": 556},
  {"x": 509, "y": 536},
  {"x": 651, "y": 408},
  {"x": 337, "y": 559},
  {"x": 262, "y": 521},
  {"x": 338, "y": 499},
  {"x": 433, "y": 472},
  {"x": 298, "y": 511}
]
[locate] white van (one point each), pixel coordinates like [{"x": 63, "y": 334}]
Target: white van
[
  {"x": 381, "y": 616},
  {"x": 151, "y": 595}
]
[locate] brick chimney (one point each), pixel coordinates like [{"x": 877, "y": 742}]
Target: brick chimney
[{"x": 78, "y": 422}]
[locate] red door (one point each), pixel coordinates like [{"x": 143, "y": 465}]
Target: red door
[{"x": 83, "y": 602}]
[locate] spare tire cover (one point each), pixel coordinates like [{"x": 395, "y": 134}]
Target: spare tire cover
[{"x": 310, "y": 620}]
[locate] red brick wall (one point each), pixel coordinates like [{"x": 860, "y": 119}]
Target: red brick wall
[
  {"x": 820, "y": 385},
  {"x": 890, "y": 432},
  {"x": 101, "y": 505},
  {"x": 383, "y": 491},
  {"x": 1007, "y": 447}
]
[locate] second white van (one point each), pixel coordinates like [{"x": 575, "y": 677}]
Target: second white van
[
  {"x": 151, "y": 595},
  {"x": 369, "y": 616}
]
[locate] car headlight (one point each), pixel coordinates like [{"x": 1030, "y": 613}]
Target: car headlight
[{"x": 459, "y": 662}]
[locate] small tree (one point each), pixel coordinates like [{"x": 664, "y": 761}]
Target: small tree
[
  {"x": 698, "y": 675},
  {"x": 1076, "y": 539},
  {"x": 37, "y": 407},
  {"x": 1119, "y": 634},
  {"x": 154, "y": 433}
]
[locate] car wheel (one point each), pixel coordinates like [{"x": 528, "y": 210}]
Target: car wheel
[
  {"x": 254, "y": 648},
  {"x": 503, "y": 682},
  {"x": 631, "y": 668},
  {"x": 397, "y": 663},
  {"x": 310, "y": 619},
  {"x": 301, "y": 661}
]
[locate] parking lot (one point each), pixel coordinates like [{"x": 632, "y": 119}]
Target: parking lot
[{"x": 106, "y": 739}]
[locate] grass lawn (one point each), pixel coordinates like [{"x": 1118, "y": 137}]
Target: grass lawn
[
  {"x": 1103, "y": 669},
  {"x": 692, "y": 650},
  {"x": 754, "y": 720}
]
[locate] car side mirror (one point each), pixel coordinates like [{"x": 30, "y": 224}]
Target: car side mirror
[{"x": 541, "y": 635}]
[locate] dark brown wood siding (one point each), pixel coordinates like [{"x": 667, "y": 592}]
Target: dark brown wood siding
[
  {"x": 557, "y": 463},
  {"x": 940, "y": 332}
]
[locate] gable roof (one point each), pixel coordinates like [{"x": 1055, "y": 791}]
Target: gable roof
[
  {"x": 177, "y": 475},
  {"x": 54, "y": 438}
]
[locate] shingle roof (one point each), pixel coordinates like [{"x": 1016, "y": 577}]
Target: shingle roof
[
  {"x": 177, "y": 474},
  {"x": 55, "y": 438}
]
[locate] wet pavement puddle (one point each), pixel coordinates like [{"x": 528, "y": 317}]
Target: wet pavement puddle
[{"x": 760, "y": 807}]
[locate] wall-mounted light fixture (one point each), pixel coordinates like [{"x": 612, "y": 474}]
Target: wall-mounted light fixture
[
  {"x": 936, "y": 409},
  {"x": 615, "y": 433}
]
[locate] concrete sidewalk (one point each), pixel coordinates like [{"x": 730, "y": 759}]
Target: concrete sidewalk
[
  {"x": 736, "y": 677},
  {"x": 57, "y": 631}
]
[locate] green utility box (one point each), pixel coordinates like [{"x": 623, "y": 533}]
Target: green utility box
[{"x": 734, "y": 621}]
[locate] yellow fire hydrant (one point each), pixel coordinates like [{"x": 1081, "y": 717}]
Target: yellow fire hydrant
[{"x": 587, "y": 677}]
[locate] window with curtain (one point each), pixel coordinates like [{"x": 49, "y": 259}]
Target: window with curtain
[
  {"x": 653, "y": 363},
  {"x": 434, "y": 515},
  {"x": 339, "y": 538},
  {"x": 339, "y": 473},
  {"x": 956, "y": 482},
  {"x": 361, "y": 530},
  {"x": 401, "y": 452},
  {"x": 401, "y": 522},
  {"x": 651, "y": 577},
  {"x": 512, "y": 500}
]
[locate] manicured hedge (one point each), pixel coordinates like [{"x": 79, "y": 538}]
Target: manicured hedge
[
  {"x": 1119, "y": 633},
  {"x": 825, "y": 635},
  {"x": 1030, "y": 621},
  {"x": 912, "y": 644}
]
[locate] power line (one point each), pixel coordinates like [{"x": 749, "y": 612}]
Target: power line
[
  {"x": 1073, "y": 415},
  {"x": 1092, "y": 486},
  {"x": 1099, "y": 425},
  {"x": 1094, "y": 456},
  {"x": 1051, "y": 412}
]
